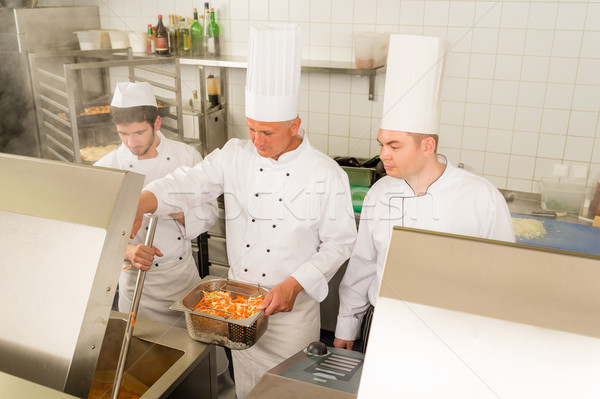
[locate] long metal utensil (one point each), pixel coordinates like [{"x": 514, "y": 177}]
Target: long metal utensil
[{"x": 135, "y": 303}]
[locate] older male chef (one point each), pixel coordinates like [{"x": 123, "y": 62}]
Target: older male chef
[
  {"x": 422, "y": 188},
  {"x": 290, "y": 223},
  {"x": 147, "y": 151}
]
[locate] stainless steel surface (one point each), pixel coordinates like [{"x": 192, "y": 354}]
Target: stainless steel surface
[
  {"x": 135, "y": 304},
  {"x": 65, "y": 228},
  {"x": 524, "y": 203},
  {"x": 162, "y": 358}
]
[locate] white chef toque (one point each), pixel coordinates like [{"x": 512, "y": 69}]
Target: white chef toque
[
  {"x": 129, "y": 94},
  {"x": 415, "y": 66},
  {"x": 273, "y": 75}
]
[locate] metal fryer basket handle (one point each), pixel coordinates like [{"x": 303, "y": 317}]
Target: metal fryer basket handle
[{"x": 135, "y": 303}]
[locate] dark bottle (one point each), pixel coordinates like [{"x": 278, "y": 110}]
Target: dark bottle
[
  {"x": 162, "y": 38},
  {"x": 215, "y": 31},
  {"x": 172, "y": 35},
  {"x": 197, "y": 35}
]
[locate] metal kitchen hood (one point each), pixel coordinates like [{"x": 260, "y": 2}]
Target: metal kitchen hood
[{"x": 64, "y": 230}]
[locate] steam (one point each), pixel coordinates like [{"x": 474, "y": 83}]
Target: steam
[{"x": 18, "y": 124}]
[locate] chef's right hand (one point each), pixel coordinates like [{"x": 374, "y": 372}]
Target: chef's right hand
[
  {"x": 148, "y": 204},
  {"x": 141, "y": 256},
  {"x": 343, "y": 344}
]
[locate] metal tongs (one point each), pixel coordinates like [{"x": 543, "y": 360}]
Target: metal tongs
[{"x": 135, "y": 303}]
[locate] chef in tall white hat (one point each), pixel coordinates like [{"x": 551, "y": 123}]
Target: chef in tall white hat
[
  {"x": 422, "y": 188},
  {"x": 170, "y": 267},
  {"x": 289, "y": 218}
]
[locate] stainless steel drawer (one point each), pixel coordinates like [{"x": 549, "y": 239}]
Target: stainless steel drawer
[{"x": 217, "y": 250}]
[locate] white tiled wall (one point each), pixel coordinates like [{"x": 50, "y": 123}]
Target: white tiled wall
[{"x": 522, "y": 81}]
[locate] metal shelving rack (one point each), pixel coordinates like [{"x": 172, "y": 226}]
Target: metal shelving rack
[{"x": 62, "y": 95}]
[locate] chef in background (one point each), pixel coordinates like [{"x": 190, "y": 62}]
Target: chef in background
[
  {"x": 422, "y": 188},
  {"x": 170, "y": 267},
  {"x": 289, "y": 218}
]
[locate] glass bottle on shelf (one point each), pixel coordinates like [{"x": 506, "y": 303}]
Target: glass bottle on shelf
[
  {"x": 172, "y": 35},
  {"x": 209, "y": 40},
  {"x": 212, "y": 87},
  {"x": 216, "y": 32},
  {"x": 150, "y": 44},
  {"x": 197, "y": 35},
  {"x": 162, "y": 37},
  {"x": 184, "y": 38}
]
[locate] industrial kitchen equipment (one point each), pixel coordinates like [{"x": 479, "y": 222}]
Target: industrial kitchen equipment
[
  {"x": 65, "y": 228},
  {"x": 467, "y": 317},
  {"x": 24, "y": 31}
]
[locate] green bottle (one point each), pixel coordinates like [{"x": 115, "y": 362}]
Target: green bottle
[{"x": 197, "y": 34}]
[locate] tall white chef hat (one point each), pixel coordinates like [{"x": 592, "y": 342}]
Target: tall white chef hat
[
  {"x": 129, "y": 94},
  {"x": 411, "y": 101},
  {"x": 273, "y": 75}
]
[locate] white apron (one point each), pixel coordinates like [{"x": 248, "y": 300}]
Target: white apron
[
  {"x": 302, "y": 326},
  {"x": 180, "y": 276}
]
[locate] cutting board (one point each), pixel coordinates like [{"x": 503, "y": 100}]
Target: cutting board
[{"x": 565, "y": 236}]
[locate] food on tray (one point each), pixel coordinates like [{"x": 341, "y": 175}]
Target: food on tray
[
  {"x": 102, "y": 109},
  {"x": 529, "y": 228},
  {"x": 93, "y": 154},
  {"x": 220, "y": 303}
]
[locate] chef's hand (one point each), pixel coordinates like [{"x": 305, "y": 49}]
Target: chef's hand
[
  {"x": 343, "y": 344},
  {"x": 148, "y": 204},
  {"x": 282, "y": 297},
  {"x": 141, "y": 256}
]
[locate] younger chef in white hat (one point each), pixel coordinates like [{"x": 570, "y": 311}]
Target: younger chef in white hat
[
  {"x": 289, "y": 218},
  {"x": 147, "y": 151},
  {"x": 422, "y": 188}
]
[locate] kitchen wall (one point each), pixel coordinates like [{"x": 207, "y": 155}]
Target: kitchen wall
[{"x": 521, "y": 91}]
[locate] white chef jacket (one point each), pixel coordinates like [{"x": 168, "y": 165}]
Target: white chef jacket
[
  {"x": 458, "y": 202},
  {"x": 287, "y": 217},
  {"x": 175, "y": 273},
  {"x": 290, "y": 217}
]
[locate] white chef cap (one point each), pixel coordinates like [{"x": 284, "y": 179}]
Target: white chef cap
[
  {"x": 273, "y": 75},
  {"x": 415, "y": 66},
  {"x": 129, "y": 94}
]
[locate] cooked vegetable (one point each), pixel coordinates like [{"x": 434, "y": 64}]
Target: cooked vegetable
[{"x": 220, "y": 303}]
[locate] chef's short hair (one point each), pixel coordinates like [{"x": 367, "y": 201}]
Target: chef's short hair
[
  {"x": 418, "y": 137},
  {"x": 125, "y": 116}
]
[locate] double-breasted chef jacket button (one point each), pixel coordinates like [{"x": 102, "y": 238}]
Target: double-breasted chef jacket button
[
  {"x": 256, "y": 195},
  {"x": 180, "y": 258},
  {"x": 168, "y": 158},
  {"x": 287, "y": 174},
  {"x": 247, "y": 245},
  {"x": 156, "y": 264},
  {"x": 245, "y": 270},
  {"x": 131, "y": 166},
  {"x": 179, "y": 238},
  {"x": 264, "y": 275},
  {"x": 268, "y": 250},
  {"x": 280, "y": 199},
  {"x": 274, "y": 226},
  {"x": 253, "y": 220},
  {"x": 261, "y": 169}
]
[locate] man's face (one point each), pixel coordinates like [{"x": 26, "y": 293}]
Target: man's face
[
  {"x": 137, "y": 136},
  {"x": 402, "y": 157},
  {"x": 272, "y": 139}
]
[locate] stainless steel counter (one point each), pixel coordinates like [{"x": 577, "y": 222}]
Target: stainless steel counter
[{"x": 523, "y": 203}]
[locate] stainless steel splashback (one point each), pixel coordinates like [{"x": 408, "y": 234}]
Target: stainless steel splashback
[
  {"x": 32, "y": 29},
  {"x": 64, "y": 230}
]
